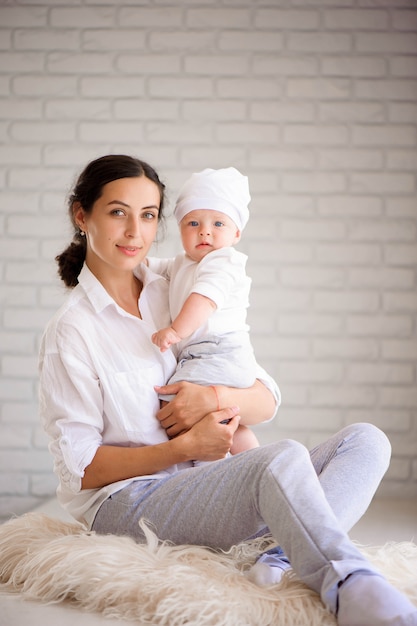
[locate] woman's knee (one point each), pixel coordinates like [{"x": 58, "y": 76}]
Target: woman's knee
[{"x": 373, "y": 439}]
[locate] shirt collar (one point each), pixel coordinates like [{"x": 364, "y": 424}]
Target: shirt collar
[{"x": 97, "y": 294}]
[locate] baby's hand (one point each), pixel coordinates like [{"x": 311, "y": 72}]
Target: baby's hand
[{"x": 165, "y": 338}]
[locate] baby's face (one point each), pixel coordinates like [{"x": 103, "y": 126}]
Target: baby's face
[{"x": 205, "y": 230}]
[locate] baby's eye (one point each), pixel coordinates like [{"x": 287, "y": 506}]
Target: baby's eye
[
  {"x": 218, "y": 224},
  {"x": 193, "y": 223}
]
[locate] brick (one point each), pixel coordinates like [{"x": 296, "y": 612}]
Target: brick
[
  {"x": 307, "y": 229},
  {"x": 36, "y": 131},
  {"x": 382, "y": 278},
  {"x": 184, "y": 87},
  {"x": 310, "y": 372},
  {"x": 396, "y": 43},
  {"x": 287, "y": 19},
  {"x": 73, "y": 109},
  {"x": 401, "y": 206},
  {"x": 351, "y": 159},
  {"x": 320, "y": 42},
  {"x": 366, "y": 112},
  {"x": 389, "y": 183},
  {"x": 306, "y": 134},
  {"x": 401, "y": 397},
  {"x": 313, "y": 277},
  {"x": 380, "y": 374},
  {"x": 16, "y": 62},
  {"x": 18, "y": 342},
  {"x": 383, "y": 230},
  {"x": 150, "y": 17},
  {"x": 402, "y": 160},
  {"x": 116, "y": 132},
  {"x": 20, "y": 155},
  {"x": 283, "y": 159},
  {"x": 105, "y": 39},
  {"x": 221, "y": 110},
  {"x": 74, "y": 17},
  {"x": 318, "y": 89},
  {"x": 14, "y": 436},
  {"x": 285, "y": 65},
  {"x": 349, "y": 302},
  {"x": 294, "y": 419},
  {"x": 101, "y": 87},
  {"x": 405, "y": 20},
  {"x": 266, "y": 41},
  {"x": 390, "y": 421},
  {"x": 281, "y": 111},
  {"x": 224, "y": 18},
  {"x": 36, "y": 179},
  {"x": 11, "y": 389},
  {"x": 380, "y": 325},
  {"x": 263, "y": 134},
  {"x": 16, "y": 484},
  {"x": 19, "y": 16},
  {"x": 166, "y": 132},
  {"x": 311, "y": 325},
  {"x": 163, "y": 64},
  {"x": 44, "y": 86},
  {"x": 216, "y": 64},
  {"x": 386, "y": 90},
  {"x": 89, "y": 63},
  {"x": 315, "y": 183},
  {"x": 400, "y": 302},
  {"x": 402, "y": 254},
  {"x": 20, "y": 366},
  {"x": 181, "y": 40},
  {"x": 340, "y": 396},
  {"x": 398, "y": 350},
  {"x": 42, "y": 485},
  {"x": 244, "y": 88},
  {"x": 385, "y": 136},
  {"x": 403, "y": 112},
  {"x": 25, "y": 412},
  {"x": 403, "y": 66},
  {"x": 46, "y": 39},
  {"x": 357, "y": 206},
  {"x": 345, "y": 19}
]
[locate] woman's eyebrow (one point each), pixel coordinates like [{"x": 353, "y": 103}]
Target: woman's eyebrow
[{"x": 118, "y": 202}]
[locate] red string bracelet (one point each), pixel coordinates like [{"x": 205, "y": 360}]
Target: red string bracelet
[{"x": 217, "y": 397}]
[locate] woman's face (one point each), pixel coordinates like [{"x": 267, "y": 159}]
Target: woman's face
[{"x": 122, "y": 225}]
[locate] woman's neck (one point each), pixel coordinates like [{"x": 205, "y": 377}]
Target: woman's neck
[{"x": 123, "y": 287}]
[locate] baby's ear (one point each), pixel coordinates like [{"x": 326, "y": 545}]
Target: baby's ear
[{"x": 238, "y": 236}]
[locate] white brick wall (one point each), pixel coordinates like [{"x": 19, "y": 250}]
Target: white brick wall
[{"x": 315, "y": 100}]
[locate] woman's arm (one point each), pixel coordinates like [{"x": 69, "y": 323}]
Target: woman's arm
[
  {"x": 257, "y": 404},
  {"x": 208, "y": 440}
]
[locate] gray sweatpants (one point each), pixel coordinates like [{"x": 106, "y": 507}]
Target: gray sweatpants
[{"x": 308, "y": 501}]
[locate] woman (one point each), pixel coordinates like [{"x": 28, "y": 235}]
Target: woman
[{"x": 99, "y": 373}]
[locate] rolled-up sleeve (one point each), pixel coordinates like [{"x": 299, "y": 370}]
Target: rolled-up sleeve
[{"x": 71, "y": 408}]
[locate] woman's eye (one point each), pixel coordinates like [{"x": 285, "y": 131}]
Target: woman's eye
[
  {"x": 149, "y": 215},
  {"x": 117, "y": 212}
]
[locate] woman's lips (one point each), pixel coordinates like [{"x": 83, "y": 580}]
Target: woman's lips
[{"x": 129, "y": 250}]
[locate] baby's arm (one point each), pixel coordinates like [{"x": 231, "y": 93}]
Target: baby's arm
[{"x": 195, "y": 311}]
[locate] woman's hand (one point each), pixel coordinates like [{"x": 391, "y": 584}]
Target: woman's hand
[
  {"x": 211, "y": 438},
  {"x": 190, "y": 404}
]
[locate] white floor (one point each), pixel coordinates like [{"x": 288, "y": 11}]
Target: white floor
[{"x": 386, "y": 520}]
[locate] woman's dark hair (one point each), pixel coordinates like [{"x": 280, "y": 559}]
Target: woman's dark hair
[{"x": 87, "y": 190}]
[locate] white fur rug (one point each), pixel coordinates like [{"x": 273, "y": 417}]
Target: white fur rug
[{"x": 52, "y": 561}]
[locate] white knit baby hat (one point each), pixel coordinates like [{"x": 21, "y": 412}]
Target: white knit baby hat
[{"x": 225, "y": 190}]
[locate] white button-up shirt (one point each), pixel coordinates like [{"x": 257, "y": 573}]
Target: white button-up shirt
[{"x": 98, "y": 368}]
